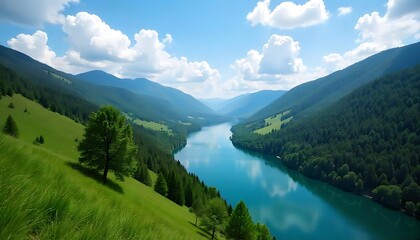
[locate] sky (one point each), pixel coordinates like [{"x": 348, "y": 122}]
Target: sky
[{"x": 208, "y": 48}]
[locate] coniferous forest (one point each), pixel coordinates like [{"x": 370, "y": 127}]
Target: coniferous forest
[{"x": 368, "y": 142}]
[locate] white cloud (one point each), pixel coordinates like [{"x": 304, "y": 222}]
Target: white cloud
[
  {"x": 280, "y": 56},
  {"x": 95, "y": 45},
  {"x": 96, "y": 40},
  {"x": 33, "y": 13},
  {"x": 378, "y": 33},
  {"x": 33, "y": 45},
  {"x": 344, "y": 11},
  {"x": 288, "y": 15},
  {"x": 277, "y": 66}
]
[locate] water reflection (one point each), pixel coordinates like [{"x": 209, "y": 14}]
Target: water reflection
[{"x": 292, "y": 206}]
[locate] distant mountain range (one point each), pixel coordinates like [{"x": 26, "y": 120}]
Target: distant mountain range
[
  {"x": 243, "y": 105},
  {"x": 177, "y": 100},
  {"x": 312, "y": 96},
  {"x": 142, "y": 98}
]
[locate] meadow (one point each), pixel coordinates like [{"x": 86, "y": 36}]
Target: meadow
[
  {"x": 45, "y": 194},
  {"x": 273, "y": 123}
]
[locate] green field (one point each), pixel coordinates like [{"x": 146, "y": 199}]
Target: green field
[
  {"x": 273, "y": 123},
  {"x": 58, "y": 131},
  {"x": 153, "y": 125},
  {"x": 44, "y": 195}
]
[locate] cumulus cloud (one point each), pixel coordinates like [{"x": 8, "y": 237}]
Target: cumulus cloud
[
  {"x": 33, "y": 13},
  {"x": 378, "y": 33},
  {"x": 344, "y": 11},
  {"x": 288, "y": 15},
  {"x": 34, "y": 45},
  {"x": 95, "y": 45},
  {"x": 278, "y": 57},
  {"x": 277, "y": 66}
]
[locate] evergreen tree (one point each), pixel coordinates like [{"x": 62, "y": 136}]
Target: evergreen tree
[
  {"x": 160, "y": 185},
  {"x": 189, "y": 196},
  {"x": 41, "y": 139},
  {"x": 240, "y": 225},
  {"x": 11, "y": 105},
  {"x": 146, "y": 176},
  {"x": 108, "y": 143},
  {"x": 10, "y": 127},
  {"x": 262, "y": 232}
]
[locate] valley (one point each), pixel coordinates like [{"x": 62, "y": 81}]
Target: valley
[{"x": 335, "y": 158}]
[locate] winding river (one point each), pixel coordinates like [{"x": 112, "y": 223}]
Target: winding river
[{"x": 291, "y": 205}]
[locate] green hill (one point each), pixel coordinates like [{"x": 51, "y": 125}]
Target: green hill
[
  {"x": 368, "y": 142},
  {"x": 315, "y": 95},
  {"x": 45, "y": 195}
]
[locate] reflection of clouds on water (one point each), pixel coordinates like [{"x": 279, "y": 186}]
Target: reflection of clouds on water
[
  {"x": 280, "y": 189},
  {"x": 286, "y": 215},
  {"x": 194, "y": 161},
  {"x": 274, "y": 187}
]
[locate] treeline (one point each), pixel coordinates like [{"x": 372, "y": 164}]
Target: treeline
[
  {"x": 49, "y": 96},
  {"x": 368, "y": 142}
]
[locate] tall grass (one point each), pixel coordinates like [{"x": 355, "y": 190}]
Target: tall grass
[{"x": 40, "y": 199}]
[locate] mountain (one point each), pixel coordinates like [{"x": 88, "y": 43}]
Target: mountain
[
  {"x": 179, "y": 101},
  {"x": 312, "y": 96},
  {"x": 367, "y": 142},
  {"x": 214, "y": 103},
  {"x": 245, "y": 105},
  {"x": 149, "y": 106}
]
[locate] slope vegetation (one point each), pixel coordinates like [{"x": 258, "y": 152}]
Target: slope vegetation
[
  {"x": 45, "y": 195},
  {"x": 368, "y": 142}
]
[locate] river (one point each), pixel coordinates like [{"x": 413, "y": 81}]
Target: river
[{"x": 291, "y": 205}]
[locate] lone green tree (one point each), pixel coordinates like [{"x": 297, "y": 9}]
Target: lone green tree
[
  {"x": 214, "y": 216},
  {"x": 10, "y": 127},
  {"x": 240, "y": 225},
  {"x": 108, "y": 144},
  {"x": 160, "y": 185}
]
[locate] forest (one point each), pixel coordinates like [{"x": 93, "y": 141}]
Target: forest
[{"x": 368, "y": 142}]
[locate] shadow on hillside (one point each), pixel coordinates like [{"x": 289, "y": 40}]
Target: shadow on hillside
[
  {"x": 91, "y": 173},
  {"x": 201, "y": 231}
]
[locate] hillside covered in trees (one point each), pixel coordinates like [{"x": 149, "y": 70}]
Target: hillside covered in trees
[{"x": 368, "y": 142}]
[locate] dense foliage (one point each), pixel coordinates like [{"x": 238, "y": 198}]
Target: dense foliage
[
  {"x": 368, "y": 142},
  {"x": 108, "y": 143},
  {"x": 49, "y": 96},
  {"x": 240, "y": 225}
]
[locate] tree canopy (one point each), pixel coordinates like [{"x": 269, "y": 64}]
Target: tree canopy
[
  {"x": 108, "y": 143},
  {"x": 240, "y": 224},
  {"x": 214, "y": 215}
]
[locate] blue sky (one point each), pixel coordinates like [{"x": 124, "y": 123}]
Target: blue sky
[{"x": 208, "y": 48}]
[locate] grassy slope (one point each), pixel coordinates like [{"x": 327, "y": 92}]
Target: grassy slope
[
  {"x": 42, "y": 196},
  {"x": 273, "y": 123}
]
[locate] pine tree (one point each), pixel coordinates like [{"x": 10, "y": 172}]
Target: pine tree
[
  {"x": 160, "y": 185},
  {"x": 41, "y": 139},
  {"x": 11, "y": 105},
  {"x": 189, "y": 196},
  {"x": 10, "y": 127},
  {"x": 240, "y": 224}
]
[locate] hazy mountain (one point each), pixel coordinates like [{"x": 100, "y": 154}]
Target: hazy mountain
[
  {"x": 245, "y": 105},
  {"x": 315, "y": 95},
  {"x": 179, "y": 101},
  {"x": 214, "y": 103}
]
